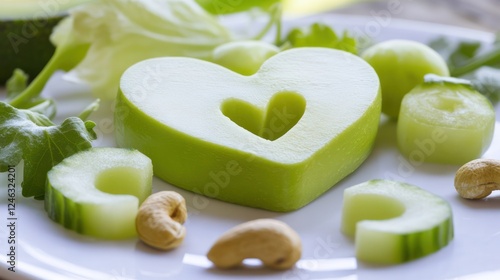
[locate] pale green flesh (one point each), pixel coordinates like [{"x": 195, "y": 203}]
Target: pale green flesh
[
  {"x": 244, "y": 57},
  {"x": 252, "y": 118},
  {"x": 212, "y": 131},
  {"x": 401, "y": 65},
  {"x": 394, "y": 222},
  {"x": 97, "y": 192},
  {"x": 451, "y": 125}
]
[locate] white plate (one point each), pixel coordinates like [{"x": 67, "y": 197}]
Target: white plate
[{"x": 45, "y": 250}]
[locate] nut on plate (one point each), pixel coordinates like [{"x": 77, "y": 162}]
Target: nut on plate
[
  {"x": 478, "y": 178},
  {"x": 273, "y": 242},
  {"x": 159, "y": 222}
]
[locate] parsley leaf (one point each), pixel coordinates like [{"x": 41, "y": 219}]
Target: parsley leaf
[
  {"x": 34, "y": 138},
  {"x": 320, "y": 35}
]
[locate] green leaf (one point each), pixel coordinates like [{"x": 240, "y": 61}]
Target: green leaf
[
  {"x": 44, "y": 106},
  {"x": 17, "y": 83},
  {"x": 463, "y": 53},
  {"x": 321, "y": 35},
  {"x": 32, "y": 137},
  {"x": 99, "y": 40},
  {"x": 455, "y": 53},
  {"x": 473, "y": 61},
  {"x": 94, "y": 106},
  {"x": 121, "y": 33},
  {"x": 487, "y": 81}
]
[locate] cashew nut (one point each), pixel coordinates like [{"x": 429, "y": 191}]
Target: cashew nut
[
  {"x": 273, "y": 242},
  {"x": 478, "y": 178},
  {"x": 160, "y": 218}
]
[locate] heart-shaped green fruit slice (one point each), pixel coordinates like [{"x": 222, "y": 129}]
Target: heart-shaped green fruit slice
[{"x": 274, "y": 140}]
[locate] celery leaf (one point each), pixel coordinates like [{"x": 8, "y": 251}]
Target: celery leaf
[{"x": 34, "y": 138}]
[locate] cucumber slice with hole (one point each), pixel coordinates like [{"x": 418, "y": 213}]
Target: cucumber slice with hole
[
  {"x": 394, "y": 222},
  {"x": 445, "y": 120},
  {"x": 97, "y": 192}
]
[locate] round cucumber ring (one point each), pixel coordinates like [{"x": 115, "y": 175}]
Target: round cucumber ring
[
  {"x": 97, "y": 192},
  {"x": 394, "y": 222}
]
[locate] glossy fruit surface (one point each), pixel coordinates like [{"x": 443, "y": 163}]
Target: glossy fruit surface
[{"x": 401, "y": 65}]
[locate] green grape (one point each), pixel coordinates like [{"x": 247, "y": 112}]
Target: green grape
[
  {"x": 244, "y": 57},
  {"x": 402, "y": 65},
  {"x": 444, "y": 120}
]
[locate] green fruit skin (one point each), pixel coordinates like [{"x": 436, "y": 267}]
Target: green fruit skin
[
  {"x": 401, "y": 65},
  {"x": 91, "y": 219},
  {"x": 229, "y": 176},
  {"x": 371, "y": 214},
  {"x": 25, "y": 44},
  {"x": 446, "y": 130},
  {"x": 90, "y": 214},
  {"x": 402, "y": 248}
]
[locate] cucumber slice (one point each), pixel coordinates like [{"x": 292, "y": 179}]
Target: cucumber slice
[
  {"x": 97, "y": 192},
  {"x": 394, "y": 222},
  {"x": 444, "y": 120}
]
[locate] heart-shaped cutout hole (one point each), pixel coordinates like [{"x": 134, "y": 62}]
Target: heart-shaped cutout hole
[{"x": 284, "y": 111}]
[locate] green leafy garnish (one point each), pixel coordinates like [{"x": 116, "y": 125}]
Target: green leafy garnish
[
  {"x": 17, "y": 83},
  {"x": 100, "y": 39},
  {"x": 471, "y": 60},
  {"x": 320, "y": 35},
  {"x": 487, "y": 81},
  {"x": 46, "y": 107},
  {"x": 34, "y": 138},
  {"x": 89, "y": 109},
  {"x": 64, "y": 58}
]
